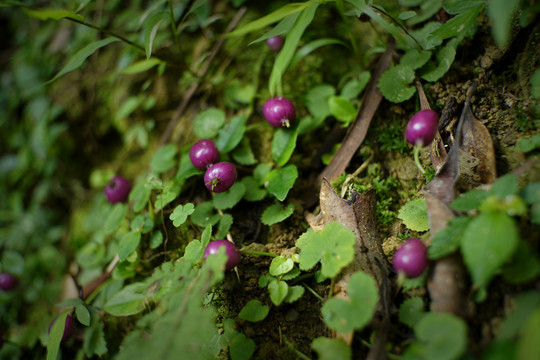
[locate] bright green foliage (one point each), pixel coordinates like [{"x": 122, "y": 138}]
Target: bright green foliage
[
  {"x": 276, "y": 213},
  {"x": 254, "y": 311},
  {"x": 414, "y": 215},
  {"x": 333, "y": 247},
  {"x": 280, "y": 265},
  {"x": 229, "y": 198},
  {"x": 342, "y": 109},
  {"x": 94, "y": 342},
  {"x": 55, "y": 336},
  {"x": 441, "y": 336},
  {"x": 331, "y": 349},
  {"x": 181, "y": 213},
  {"x": 128, "y": 243},
  {"x": 231, "y": 134},
  {"x": 281, "y": 180},
  {"x": 283, "y": 145},
  {"x": 411, "y": 311},
  {"x": 208, "y": 122},
  {"x": 278, "y": 291},
  {"x": 448, "y": 240},
  {"x": 488, "y": 242},
  {"x": 344, "y": 315},
  {"x": 396, "y": 83},
  {"x": 164, "y": 159}
]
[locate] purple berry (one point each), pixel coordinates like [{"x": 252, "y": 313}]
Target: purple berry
[
  {"x": 233, "y": 255},
  {"x": 117, "y": 190},
  {"x": 422, "y": 128},
  {"x": 220, "y": 177},
  {"x": 411, "y": 258},
  {"x": 275, "y": 43},
  {"x": 279, "y": 111},
  {"x": 69, "y": 328},
  {"x": 7, "y": 281},
  {"x": 204, "y": 154}
]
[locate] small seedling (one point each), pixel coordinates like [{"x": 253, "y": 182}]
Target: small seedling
[
  {"x": 420, "y": 131},
  {"x": 69, "y": 328},
  {"x": 220, "y": 177},
  {"x": 117, "y": 190},
  {"x": 7, "y": 281},
  {"x": 275, "y": 43},
  {"x": 410, "y": 260},
  {"x": 233, "y": 255},
  {"x": 204, "y": 154},
  {"x": 279, "y": 111}
]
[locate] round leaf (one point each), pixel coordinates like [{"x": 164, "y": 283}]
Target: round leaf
[{"x": 208, "y": 122}]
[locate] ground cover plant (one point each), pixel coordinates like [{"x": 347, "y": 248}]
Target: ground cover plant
[{"x": 270, "y": 180}]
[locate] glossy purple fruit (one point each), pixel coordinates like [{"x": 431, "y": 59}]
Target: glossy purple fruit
[
  {"x": 204, "y": 154},
  {"x": 233, "y": 255},
  {"x": 422, "y": 127},
  {"x": 279, "y": 111},
  {"x": 117, "y": 190},
  {"x": 275, "y": 43},
  {"x": 7, "y": 281},
  {"x": 411, "y": 258},
  {"x": 69, "y": 328},
  {"x": 220, "y": 177}
]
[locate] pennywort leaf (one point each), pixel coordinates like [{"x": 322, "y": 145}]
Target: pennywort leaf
[
  {"x": 281, "y": 180},
  {"x": 208, "y": 122},
  {"x": 181, "y": 213},
  {"x": 164, "y": 159},
  {"x": 395, "y": 83},
  {"x": 331, "y": 349},
  {"x": 276, "y": 213},
  {"x": 414, "y": 215},
  {"x": 254, "y": 311}
]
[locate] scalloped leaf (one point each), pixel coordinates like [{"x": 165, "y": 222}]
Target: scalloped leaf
[{"x": 395, "y": 83}]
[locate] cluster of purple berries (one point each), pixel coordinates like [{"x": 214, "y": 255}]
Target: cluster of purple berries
[{"x": 218, "y": 176}]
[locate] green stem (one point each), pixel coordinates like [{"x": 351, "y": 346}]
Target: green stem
[
  {"x": 314, "y": 293},
  {"x": 174, "y": 28},
  {"x": 260, "y": 253},
  {"x": 417, "y": 160}
]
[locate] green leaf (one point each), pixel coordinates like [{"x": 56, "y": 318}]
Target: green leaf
[
  {"x": 170, "y": 192},
  {"x": 156, "y": 239},
  {"x": 94, "y": 339},
  {"x": 354, "y": 313},
  {"x": 128, "y": 244},
  {"x": 281, "y": 180},
  {"x": 276, "y": 213},
  {"x": 312, "y": 46},
  {"x": 443, "y": 336},
  {"x": 231, "y": 134},
  {"x": 294, "y": 293},
  {"x": 53, "y": 14},
  {"x": 141, "y": 66},
  {"x": 470, "y": 200},
  {"x": 504, "y": 186},
  {"x": 284, "y": 26},
  {"x": 224, "y": 226},
  {"x": 289, "y": 46},
  {"x": 342, "y": 109},
  {"x": 331, "y": 349},
  {"x": 528, "y": 343},
  {"x": 128, "y": 301},
  {"x": 208, "y": 122},
  {"x": 414, "y": 215},
  {"x": 428, "y": 9},
  {"x": 332, "y": 246},
  {"x": 415, "y": 59},
  {"x": 352, "y": 89},
  {"x": 241, "y": 347},
  {"x": 316, "y": 100},
  {"x": 151, "y": 26},
  {"x": 204, "y": 214},
  {"x": 448, "y": 240},
  {"x": 243, "y": 154},
  {"x": 55, "y": 335},
  {"x": 395, "y": 83},
  {"x": 115, "y": 217},
  {"x": 283, "y": 145},
  {"x": 501, "y": 13},
  {"x": 195, "y": 249},
  {"x": 461, "y": 25},
  {"x": 269, "y": 19},
  {"x": 280, "y": 265},
  {"x": 253, "y": 190},
  {"x": 181, "y": 213},
  {"x": 83, "y": 315},
  {"x": 445, "y": 57},
  {"x": 525, "y": 265},
  {"x": 488, "y": 242},
  {"x": 524, "y": 305},
  {"x": 529, "y": 143},
  {"x": 164, "y": 159},
  {"x": 139, "y": 196},
  {"x": 278, "y": 291},
  {"x": 254, "y": 311},
  {"x": 411, "y": 311},
  {"x": 80, "y": 56},
  {"x": 229, "y": 198}
]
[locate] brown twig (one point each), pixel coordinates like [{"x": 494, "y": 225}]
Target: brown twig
[
  {"x": 201, "y": 73},
  {"x": 358, "y": 130}
]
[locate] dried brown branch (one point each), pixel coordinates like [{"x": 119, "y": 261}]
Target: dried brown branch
[{"x": 358, "y": 130}]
